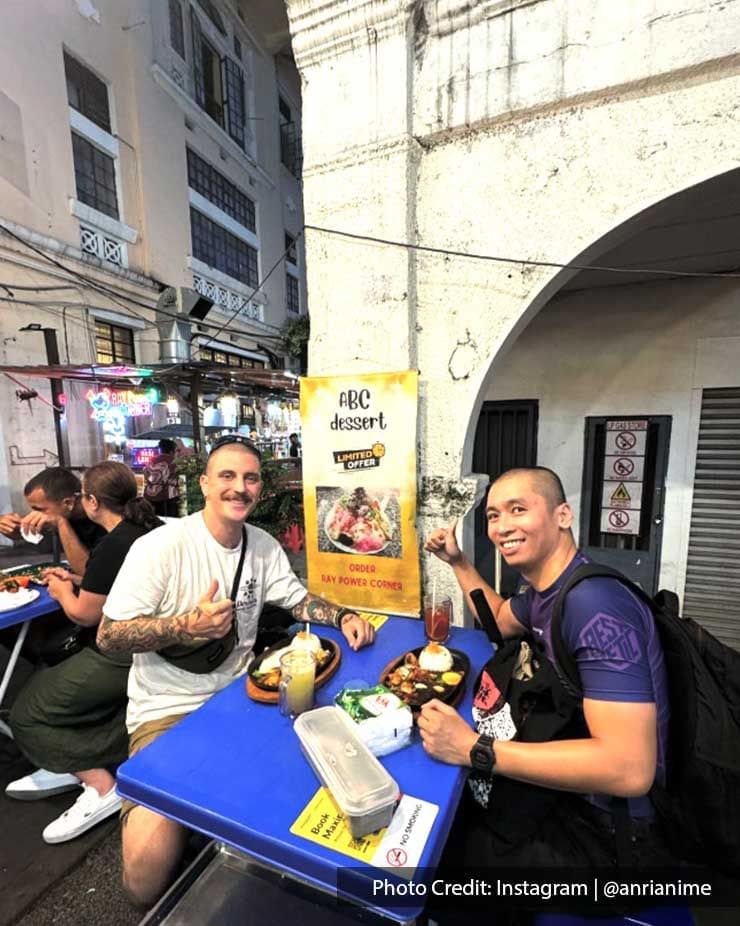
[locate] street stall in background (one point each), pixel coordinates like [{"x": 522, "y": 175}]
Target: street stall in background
[
  {"x": 359, "y": 489},
  {"x": 121, "y": 412}
]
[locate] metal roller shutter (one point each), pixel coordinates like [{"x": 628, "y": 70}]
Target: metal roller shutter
[{"x": 712, "y": 594}]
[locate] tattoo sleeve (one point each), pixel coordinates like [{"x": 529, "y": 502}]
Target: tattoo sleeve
[
  {"x": 142, "y": 634},
  {"x": 317, "y": 610}
]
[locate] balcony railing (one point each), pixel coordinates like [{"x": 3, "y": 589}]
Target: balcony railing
[{"x": 228, "y": 298}]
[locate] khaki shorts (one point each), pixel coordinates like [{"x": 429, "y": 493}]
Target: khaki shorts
[{"x": 142, "y": 736}]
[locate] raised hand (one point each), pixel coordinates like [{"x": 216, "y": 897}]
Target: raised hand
[
  {"x": 211, "y": 619},
  {"x": 443, "y": 544},
  {"x": 36, "y": 521},
  {"x": 10, "y": 526}
]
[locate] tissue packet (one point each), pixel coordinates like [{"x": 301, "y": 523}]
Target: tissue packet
[{"x": 384, "y": 722}]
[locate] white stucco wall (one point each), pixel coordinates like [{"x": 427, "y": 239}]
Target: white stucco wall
[
  {"x": 532, "y": 129},
  {"x": 627, "y": 350}
]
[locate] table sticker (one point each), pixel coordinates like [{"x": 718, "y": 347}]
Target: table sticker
[
  {"x": 323, "y": 822},
  {"x": 406, "y": 835},
  {"x": 377, "y": 620},
  {"x": 397, "y": 846}
]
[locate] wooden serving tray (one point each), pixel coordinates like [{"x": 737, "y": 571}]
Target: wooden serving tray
[
  {"x": 270, "y": 696},
  {"x": 460, "y": 663}
]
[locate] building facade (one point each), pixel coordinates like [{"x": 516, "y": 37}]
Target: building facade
[
  {"x": 145, "y": 145},
  {"x": 543, "y": 139}
]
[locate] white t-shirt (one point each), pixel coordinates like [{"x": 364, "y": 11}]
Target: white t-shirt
[{"x": 167, "y": 575}]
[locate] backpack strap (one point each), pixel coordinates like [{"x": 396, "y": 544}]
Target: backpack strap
[
  {"x": 563, "y": 658},
  {"x": 565, "y": 666},
  {"x": 485, "y": 616}
]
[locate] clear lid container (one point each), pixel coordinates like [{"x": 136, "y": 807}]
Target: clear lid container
[{"x": 359, "y": 783}]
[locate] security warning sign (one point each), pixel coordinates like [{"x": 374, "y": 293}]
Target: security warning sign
[
  {"x": 621, "y": 494},
  {"x": 624, "y": 470}
]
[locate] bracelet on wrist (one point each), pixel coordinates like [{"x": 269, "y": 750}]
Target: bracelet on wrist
[{"x": 340, "y": 615}]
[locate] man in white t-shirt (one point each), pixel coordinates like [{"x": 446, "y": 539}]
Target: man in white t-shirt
[{"x": 175, "y": 589}]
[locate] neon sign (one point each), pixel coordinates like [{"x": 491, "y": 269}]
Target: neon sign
[{"x": 111, "y": 407}]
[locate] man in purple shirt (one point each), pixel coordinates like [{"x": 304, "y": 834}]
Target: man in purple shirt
[{"x": 613, "y": 640}]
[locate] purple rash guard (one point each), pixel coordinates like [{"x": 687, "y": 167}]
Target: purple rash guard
[{"x": 612, "y": 636}]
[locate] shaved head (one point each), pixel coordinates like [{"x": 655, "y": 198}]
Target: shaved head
[{"x": 542, "y": 481}]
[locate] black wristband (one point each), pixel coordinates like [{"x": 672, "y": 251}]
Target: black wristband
[{"x": 342, "y": 612}]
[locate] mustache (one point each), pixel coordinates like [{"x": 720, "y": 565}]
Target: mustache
[{"x": 238, "y": 496}]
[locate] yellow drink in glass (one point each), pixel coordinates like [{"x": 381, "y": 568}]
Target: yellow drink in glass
[{"x": 297, "y": 677}]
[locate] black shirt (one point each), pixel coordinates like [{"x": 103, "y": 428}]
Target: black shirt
[
  {"x": 88, "y": 531},
  {"x": 107, "y": 557}
]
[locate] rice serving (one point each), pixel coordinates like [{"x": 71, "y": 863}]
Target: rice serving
[
  {"x": 435, "y": 658},
  {"x": 306, "y": 641}
]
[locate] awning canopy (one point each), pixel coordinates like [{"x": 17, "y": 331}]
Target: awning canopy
[{"x": 217, "y": 375}]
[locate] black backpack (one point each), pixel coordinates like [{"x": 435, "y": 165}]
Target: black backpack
[{"x": 699, "y": 806}]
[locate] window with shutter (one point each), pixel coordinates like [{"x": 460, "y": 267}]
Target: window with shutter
[{"x": 235, "y": 107}]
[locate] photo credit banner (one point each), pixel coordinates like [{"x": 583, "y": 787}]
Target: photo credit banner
[{"x": 359, "y": 489}]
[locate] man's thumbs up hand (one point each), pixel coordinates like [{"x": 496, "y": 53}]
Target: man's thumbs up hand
[{"x": 211, "y": 619}]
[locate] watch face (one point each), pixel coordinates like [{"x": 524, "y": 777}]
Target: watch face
[{"x": 481, "y": 756}]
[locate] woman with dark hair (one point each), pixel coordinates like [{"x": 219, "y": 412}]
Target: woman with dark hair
[{"x": 69, "y": 720}]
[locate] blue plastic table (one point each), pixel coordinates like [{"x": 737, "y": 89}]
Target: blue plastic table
[
  {"x": 44, "y": 604},
  {"x": 234, "y": 769}
]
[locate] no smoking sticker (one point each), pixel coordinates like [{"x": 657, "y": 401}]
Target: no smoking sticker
[
  {"x": 620, "y": 468},
  {"x": 396, "y": 858}
]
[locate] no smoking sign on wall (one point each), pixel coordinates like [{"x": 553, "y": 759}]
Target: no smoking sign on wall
[{"x": 624, "y": 466}]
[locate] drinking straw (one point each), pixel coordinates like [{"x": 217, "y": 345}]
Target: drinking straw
[
  {"x": 308, "y": 629},
  {"x": 434, "y": 596}
]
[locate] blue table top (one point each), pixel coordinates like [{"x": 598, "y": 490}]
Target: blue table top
[
  {"x": 234, "y": 768},
  {"x": 44, "y": 604}
]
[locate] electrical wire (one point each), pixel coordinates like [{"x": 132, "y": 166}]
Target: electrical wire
[
  {"x": 111, "y": 294},
  {"x": 519, "y": 260},
  {"x": 252, "y": 294}
]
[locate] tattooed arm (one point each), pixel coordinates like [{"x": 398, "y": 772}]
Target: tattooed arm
[
  {"x": 207, "y": 621},
  {"x": 357, "y": 631}
]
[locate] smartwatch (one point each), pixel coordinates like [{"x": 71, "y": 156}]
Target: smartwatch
[{"x": 482, "y": 756}]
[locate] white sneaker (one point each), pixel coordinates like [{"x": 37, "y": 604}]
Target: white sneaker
[
  {"x": 40, "y": 784},
  {"x": 89, "y": 808}
]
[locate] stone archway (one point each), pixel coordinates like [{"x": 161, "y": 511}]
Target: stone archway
[{"x": 419, "y": 126}]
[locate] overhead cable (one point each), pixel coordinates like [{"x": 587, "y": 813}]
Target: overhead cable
[{"x": 521, "y": 261}]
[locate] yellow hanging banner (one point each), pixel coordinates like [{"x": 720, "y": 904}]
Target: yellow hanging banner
[{"x": 359, "y": 489}]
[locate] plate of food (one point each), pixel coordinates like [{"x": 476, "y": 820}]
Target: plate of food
[
  {"x": 357, "y": 523},
  {"x": 263, "y": 677},
  {"x": 14, "y": 594},
  {"x": 431, "y": 671},
  {"x": 34, "y": 573}
]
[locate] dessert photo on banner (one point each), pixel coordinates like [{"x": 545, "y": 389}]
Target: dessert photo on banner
[{"x": 353, "y": 519}]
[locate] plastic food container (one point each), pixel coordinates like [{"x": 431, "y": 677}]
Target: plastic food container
[{"x": 362, "y": 788}]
